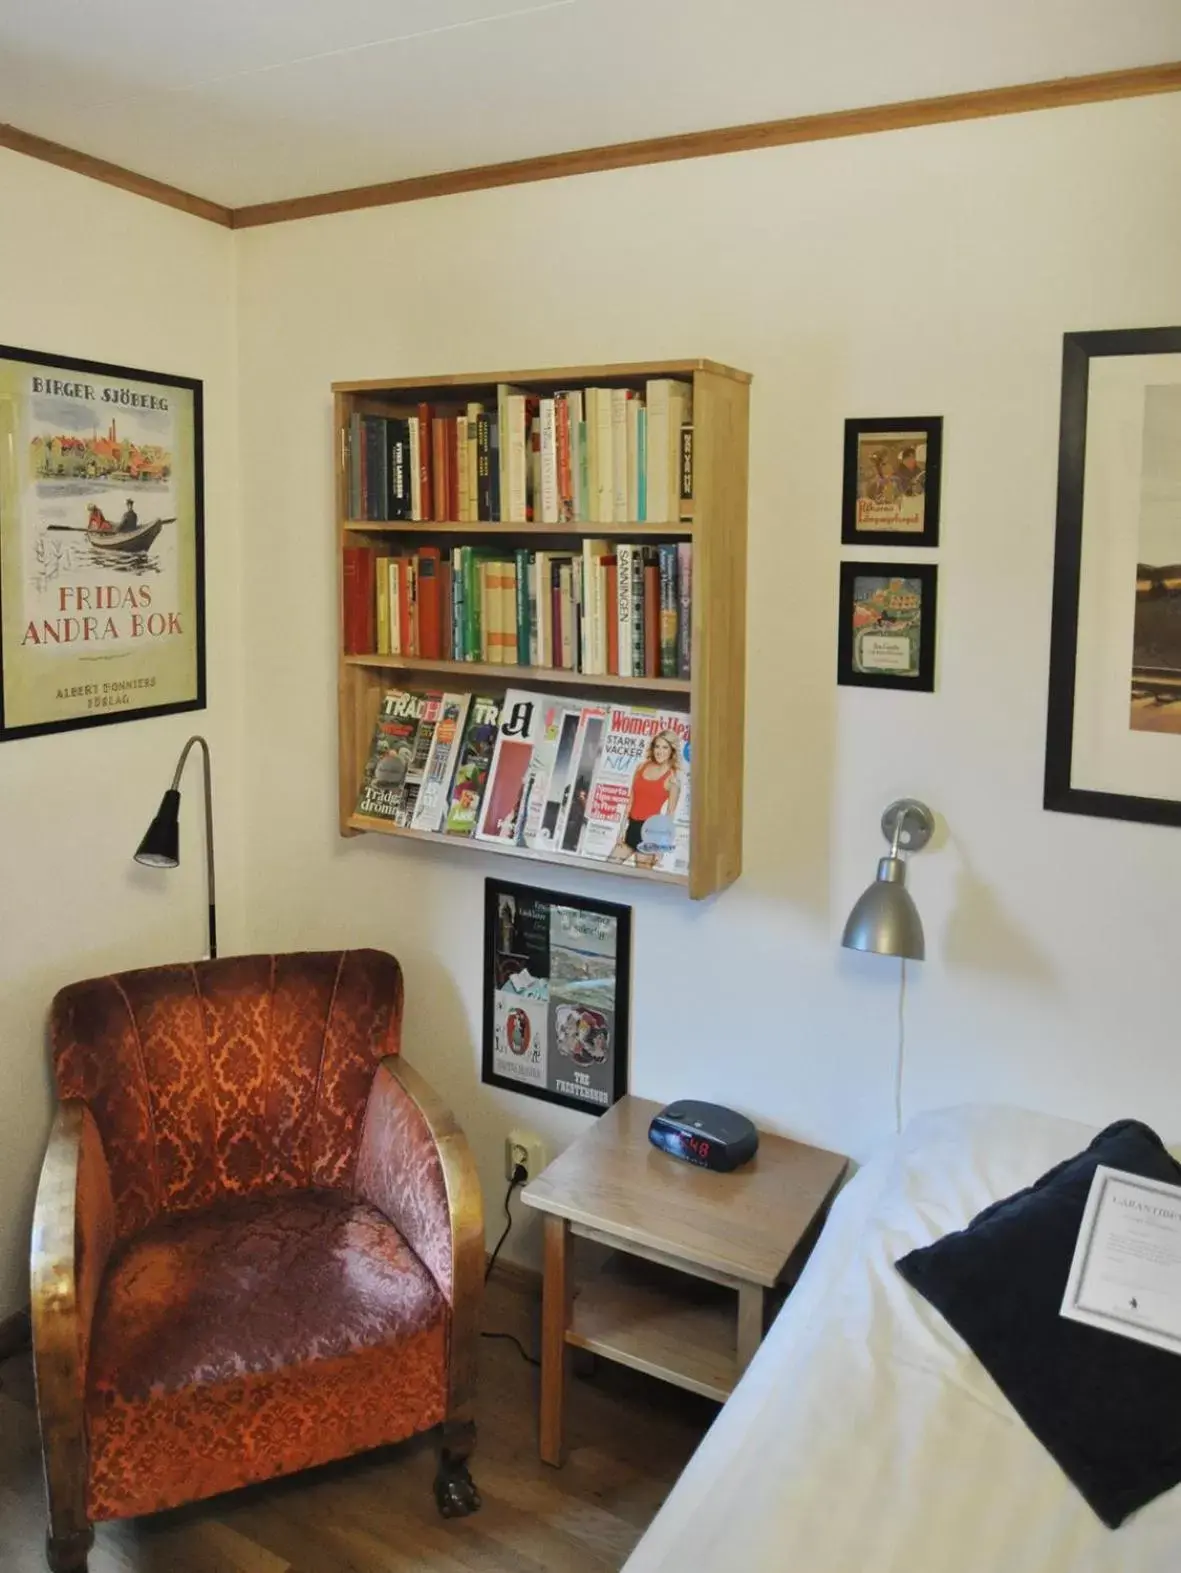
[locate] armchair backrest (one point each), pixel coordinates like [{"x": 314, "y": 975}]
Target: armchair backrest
[{"x": 223, "y": 1078}]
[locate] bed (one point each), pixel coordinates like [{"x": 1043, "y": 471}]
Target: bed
[{"x": 865, "y": 1437}]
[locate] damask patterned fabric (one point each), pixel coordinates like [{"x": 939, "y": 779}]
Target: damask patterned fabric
[
  {"x": 257, "y": 1338},
  {"x": 400, "y": 1173},
  {"x": 260, "y": 1312},
  {"x": 229, "y": 1077}
]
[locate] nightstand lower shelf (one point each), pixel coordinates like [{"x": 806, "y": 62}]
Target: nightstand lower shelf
[{"x": 680, "y": 1329}]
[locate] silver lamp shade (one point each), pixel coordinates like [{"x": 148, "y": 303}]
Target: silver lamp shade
[{"x": 885, "y": 919}]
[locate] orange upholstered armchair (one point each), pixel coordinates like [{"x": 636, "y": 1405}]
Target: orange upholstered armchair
[{"x": 258, "y": 1242}]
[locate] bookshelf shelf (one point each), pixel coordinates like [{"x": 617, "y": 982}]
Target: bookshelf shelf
[
  {"x": 565, "y": 859},
  {"x": 525, "y": 676},
  {"x": 681, "y": 530},
  {"x": 713, "y": 694}
]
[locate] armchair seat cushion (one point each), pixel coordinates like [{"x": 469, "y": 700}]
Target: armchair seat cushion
[{"x": 259, "y": 1337}]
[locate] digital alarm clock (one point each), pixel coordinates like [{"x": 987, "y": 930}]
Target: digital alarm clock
[{"x": 706, "y": 1134}]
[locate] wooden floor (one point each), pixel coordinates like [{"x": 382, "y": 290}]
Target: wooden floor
[{"x": 629, "y": 1438}]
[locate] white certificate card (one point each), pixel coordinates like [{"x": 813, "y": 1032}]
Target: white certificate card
[{"x": 1126, "y": 1272}]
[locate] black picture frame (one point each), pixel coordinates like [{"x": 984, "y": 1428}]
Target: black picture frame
[
  {"x": 599, "y": 1085},
  {"x": 928, "y": 428},
  {"x": 928, "y": 576},
  {"x": 1059, "y": 794},
  {"x": 131, "y": 710}
]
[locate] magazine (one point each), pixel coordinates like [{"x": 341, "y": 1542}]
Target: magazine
[
  {"x": 591, "y": 725},
  {"x": 430, "y": 706},
  {"x": 471, "y": 773},
  {"x": 440, "y": 766},
  {"x": 547, "y": 803},
  {"x": 638, "y": 809},
  {"x": 504, "y": 810},
  {"x": 390, "y": 754}
]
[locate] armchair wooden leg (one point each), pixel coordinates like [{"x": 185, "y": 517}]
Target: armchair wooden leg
[
  {"x": 67, "y": 1553},
  {"x": 455, "y": 1490}
]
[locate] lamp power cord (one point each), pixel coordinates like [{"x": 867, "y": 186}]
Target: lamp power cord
[{"x": 520, "y": 1175}]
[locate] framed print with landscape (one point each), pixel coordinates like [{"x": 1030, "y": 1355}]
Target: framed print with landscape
[
  {"x": 893, "y": 468},
  {"x": 101, "y": 544},
  {"x": 1113, "y": 728},
  {"x": 556, "y": 984},
  {"x": 886, "y": 637}
]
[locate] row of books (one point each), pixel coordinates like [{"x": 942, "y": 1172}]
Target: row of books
[
  {"x": 609, "y": 609},
  {"x": 582, "y": 455},
  {"x": 552, "y": 773}
]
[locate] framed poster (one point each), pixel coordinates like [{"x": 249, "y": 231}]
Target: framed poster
[
  {"x": 556, "y": 989},
  {"x": 886, "y": 636},
  {"x": 1113, "y": 726},
  {"x": 893, "y": 469},
  {"x": 102, "y": 613}
]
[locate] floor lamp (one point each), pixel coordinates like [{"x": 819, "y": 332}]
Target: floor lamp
[{"x": 160, "y": 847}]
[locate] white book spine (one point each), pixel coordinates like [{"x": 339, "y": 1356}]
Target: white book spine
[
  {"x": 549, "y": 463},
  {"x": 624, "y": 610},
  {"x": 632, "y": 511},
  {"x": 680, "y": 410},
  {"x": 603, "y": 481},
  {"x": 415, "y": 467},
  {"x": 514, "y": 458},
  {"x": 395, "y": 574},
  {"x": 619, "y": 404},
  {"x": 565, "y": 598},
  {"x": 659, "y": 510}
]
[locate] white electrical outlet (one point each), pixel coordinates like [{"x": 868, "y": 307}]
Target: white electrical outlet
[{"x": 526, "y": 1150}]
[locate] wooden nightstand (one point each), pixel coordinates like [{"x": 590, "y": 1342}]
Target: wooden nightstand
[{"x": 703, "y": 1238}]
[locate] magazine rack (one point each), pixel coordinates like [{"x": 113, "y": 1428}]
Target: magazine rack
[{"x": 714, "y": 693}]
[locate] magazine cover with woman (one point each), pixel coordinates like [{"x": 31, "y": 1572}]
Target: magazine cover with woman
[{"x": 638, "y": 810}]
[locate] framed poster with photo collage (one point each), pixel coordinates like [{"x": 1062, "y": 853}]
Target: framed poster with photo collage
[{"x": 556, "y": 989}]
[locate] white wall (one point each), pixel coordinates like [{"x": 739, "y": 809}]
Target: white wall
[
  {"x": 926, "y": 271},
  {"x": 89, "y": 271}
]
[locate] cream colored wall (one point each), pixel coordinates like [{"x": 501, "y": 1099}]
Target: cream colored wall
[
  {"x": 927, "y": 271},
  {"x": 92, "y": 272}
]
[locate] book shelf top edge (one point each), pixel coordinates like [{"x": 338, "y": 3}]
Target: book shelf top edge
[
  {"x": 554, "y": 376},
  {"x": 682, "y": 530}
]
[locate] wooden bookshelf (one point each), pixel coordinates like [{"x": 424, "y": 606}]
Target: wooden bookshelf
[{"x": 714, "y": 693}]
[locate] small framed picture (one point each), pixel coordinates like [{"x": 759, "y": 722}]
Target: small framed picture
[
  {"x": 892, "y": 473},
  {"x": 556, "y": 988},
  {"x": 887, "y": 626}
]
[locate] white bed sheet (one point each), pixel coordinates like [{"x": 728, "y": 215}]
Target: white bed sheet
[{"x": 865, "y": 1437}]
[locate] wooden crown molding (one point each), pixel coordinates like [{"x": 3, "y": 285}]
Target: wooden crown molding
[
  {"x": 113, "y": 175},
  {"x": 1062, "y": 93}
]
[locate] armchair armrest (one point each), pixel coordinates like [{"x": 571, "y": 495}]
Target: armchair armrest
[
  {"x": 73, "y": 1230},
  {"x": 416, "y": 1167}
]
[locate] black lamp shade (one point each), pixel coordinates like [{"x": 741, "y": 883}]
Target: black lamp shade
[{"x": 160, "y": 847}]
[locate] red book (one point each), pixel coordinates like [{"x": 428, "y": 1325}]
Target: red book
[
  {"x": 429, "y": 623},
  {"x": 439, "y": 489},
  {"x": 565, "y": 474},
  {"x": 611, "y": 612},
  {"x": 651, "y": 620},
  {"x": 425, "y": 425},
  {"x": 359, "y": 603}
]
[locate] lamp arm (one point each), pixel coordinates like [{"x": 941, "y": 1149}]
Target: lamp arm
[{"x": 208, "y": 774}]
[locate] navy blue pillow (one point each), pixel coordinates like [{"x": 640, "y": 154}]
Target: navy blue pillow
[{"x": 1106, "y": 1407}]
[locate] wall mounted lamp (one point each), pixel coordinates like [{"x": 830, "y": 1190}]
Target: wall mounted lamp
[{"x": 160, "y": 847}]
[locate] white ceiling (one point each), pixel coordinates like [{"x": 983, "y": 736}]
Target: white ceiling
[{"x": 247, "y": 101}]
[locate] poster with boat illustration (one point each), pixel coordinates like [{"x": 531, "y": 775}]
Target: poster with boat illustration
[
  {"x": 101, "y": 544},
  {"x": 556, "y": 995}
]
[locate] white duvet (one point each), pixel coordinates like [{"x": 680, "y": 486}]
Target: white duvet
[{"x": 865, "y": 1437}]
